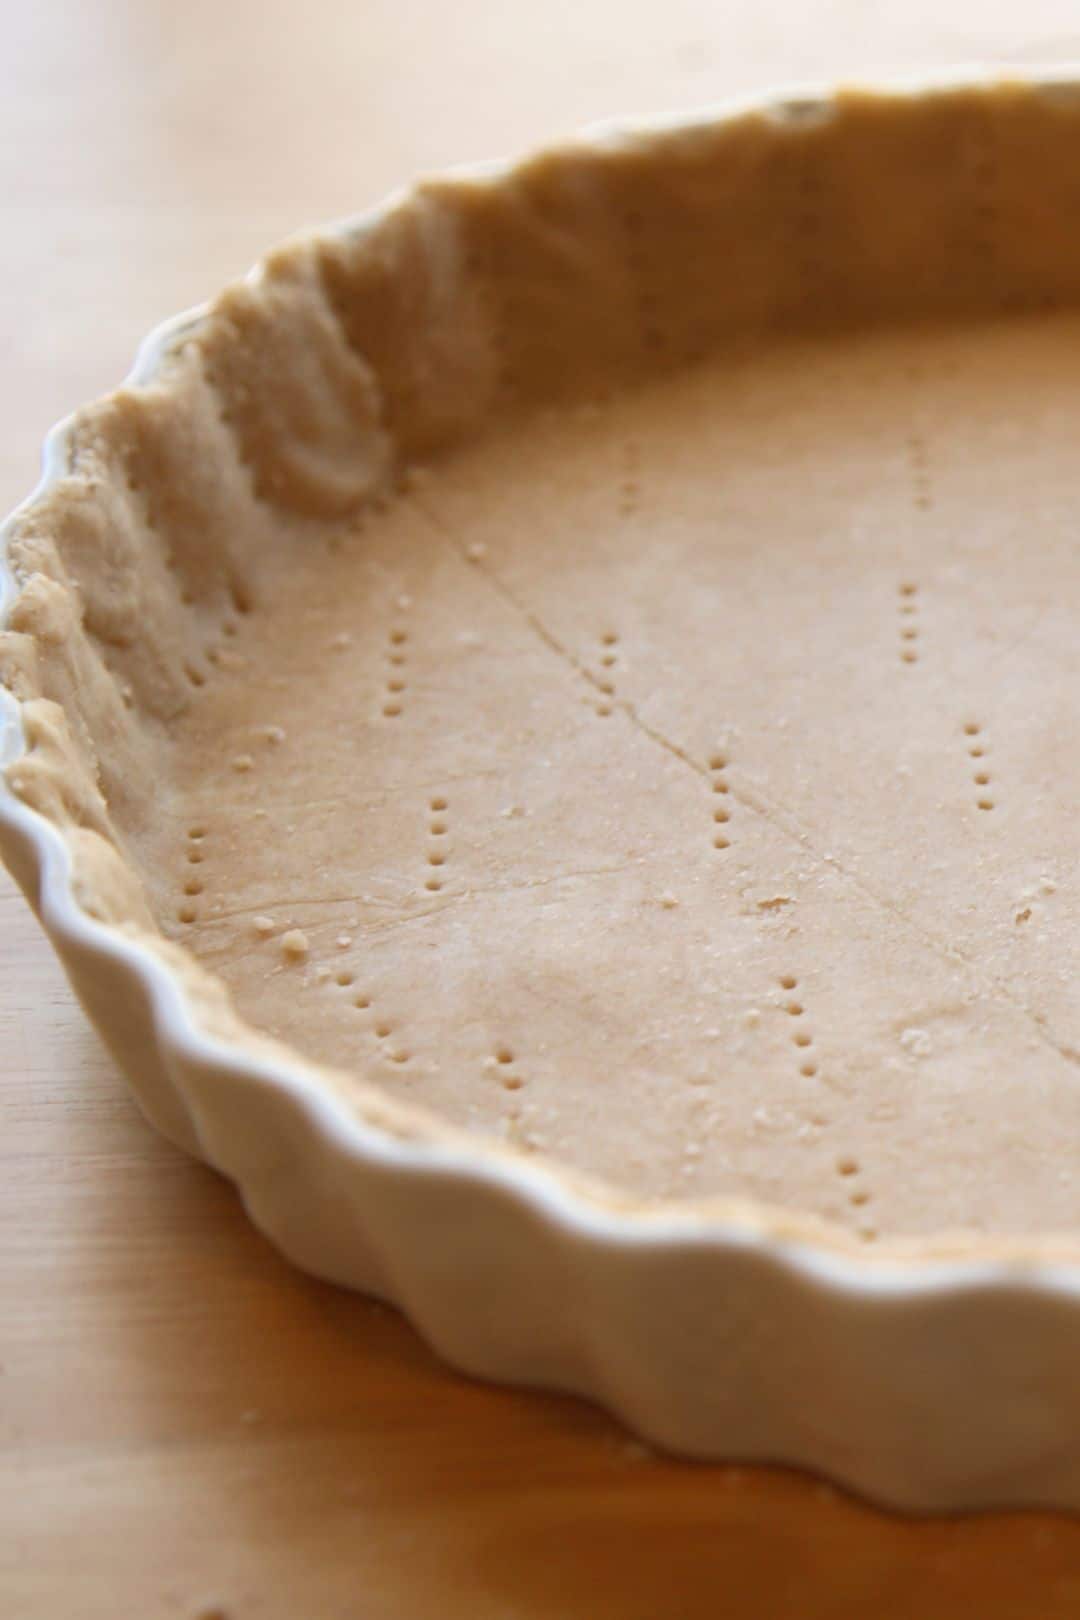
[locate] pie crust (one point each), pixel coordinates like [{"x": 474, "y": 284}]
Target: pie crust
[{"x": 540, "y": 726}]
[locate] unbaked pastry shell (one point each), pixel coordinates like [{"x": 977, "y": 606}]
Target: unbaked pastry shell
[{"x": 930, "y": 1375}]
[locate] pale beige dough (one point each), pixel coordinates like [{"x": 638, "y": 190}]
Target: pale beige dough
[
  {"x": 593, "y": 657},
  {"x": 492, "y": 808}
]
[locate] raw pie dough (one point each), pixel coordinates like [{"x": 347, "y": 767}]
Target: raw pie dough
[{"x": 639, "y": 726}]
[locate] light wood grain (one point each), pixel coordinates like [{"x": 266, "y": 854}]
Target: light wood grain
[{"x": 184, "y": 1421}]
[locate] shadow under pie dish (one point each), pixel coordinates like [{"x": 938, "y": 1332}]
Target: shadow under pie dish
[{"x": 541, "y": 726}]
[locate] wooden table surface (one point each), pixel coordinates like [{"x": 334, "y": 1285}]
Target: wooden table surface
[{"x": 187, "y": 1426}]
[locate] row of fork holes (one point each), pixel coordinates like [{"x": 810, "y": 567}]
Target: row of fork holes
[
  {"x": 381, "y": 1027},
  {"x": 193, "y": 883},
  {"x": 801, "y": 1037},
  {"x": 604, "y": 682},
  {"x": 501, "y": 300},
  {"x": 196, "y": 676},
  {"x": 721, "y": 814},
  {"x": 503, "y": 1059},
  {"x": 438, "y": 829},
  {"x": 976, "y": 748},
  {"x": 919, "y": 470},
  {"x": 394, "y": 699},
  {"x": 803, "y": 1041},
  {"x": 908, "y": 612},
  {"x": 653, "y": 337},
  {"x": 241, "y": 602},
  {"x": 985, "y": 186}
]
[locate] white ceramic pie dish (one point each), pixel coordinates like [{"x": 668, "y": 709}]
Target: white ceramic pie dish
[{"x": 929, "y": 1377}]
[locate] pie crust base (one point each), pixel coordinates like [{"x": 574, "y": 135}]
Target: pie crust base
[{"x": 582, "y": 660}]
